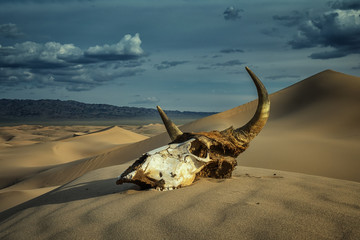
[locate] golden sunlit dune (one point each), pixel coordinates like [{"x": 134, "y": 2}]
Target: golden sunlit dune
[{"x": 312, "y": 139}]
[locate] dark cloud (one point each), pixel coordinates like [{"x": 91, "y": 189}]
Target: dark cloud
[
  {"x": 74, "y": 78},
  {"x": 229, "y": 63},
  {"x": 337, "y": 29},
  {"x": 331, "y": 54},
  {"x": 168, "y": 64},
  {"x": 293, "y": 19},
  {"x": 11, "y": 78},
  {"x": 35, "y": 55},
  {"x": 345, "y": 4},
  {"x": 131, "y": 64},
  {"x": 10, "y": 30},
  {"x": 31, "y": 64},
  {"x": 232, "y": 13},
  {"x": 231, "y": 50},
  {"x": 106, "y": 57}
]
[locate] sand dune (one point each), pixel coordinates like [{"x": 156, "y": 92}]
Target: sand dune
[
  {"x": 254, "y": 204},
  {"x": 326, "y": 103},
  {"x": 25, "y": 167},
  {"x": 149, "y": 130},
  {"x": 30, "y": 134},
  {"x": 313, "y": 129}
]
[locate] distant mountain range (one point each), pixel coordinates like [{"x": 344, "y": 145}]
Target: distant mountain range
[{"x": 57, "y": 110}]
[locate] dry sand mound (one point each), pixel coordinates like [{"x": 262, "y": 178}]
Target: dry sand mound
[
  {"x": 27, "y": 171},
  {"x": 254, "y": 204},
  {"x": 313, "y": 128},
  {"x": 29, "y": 134},
  {"x": 149, "y": 130}
]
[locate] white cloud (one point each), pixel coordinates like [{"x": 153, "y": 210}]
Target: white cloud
[
  {"x": 53, "y": 54},
  {"x": 128, "y": 45},
  {"x": 33, "y": 64},
  {"x": 347, "y": 20},
  {"x": 31, "y": 54}
]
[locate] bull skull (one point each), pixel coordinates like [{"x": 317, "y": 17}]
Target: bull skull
[{"x": 193, "y": 155}]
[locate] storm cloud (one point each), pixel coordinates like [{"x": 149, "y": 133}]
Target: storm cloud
[
  {"x": 38, "y": 65},
  {"x": 35, "y": 55},
  {"x": 337, "y": 29},
  {"x": 345, "y": 4}
]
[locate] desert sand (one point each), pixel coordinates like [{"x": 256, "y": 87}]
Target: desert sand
[
  {"x": 29, "y": 170},
  {"x": 299, "y": 179}
]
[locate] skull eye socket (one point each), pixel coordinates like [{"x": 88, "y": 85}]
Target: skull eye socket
[{"x": 198, "y": 149}]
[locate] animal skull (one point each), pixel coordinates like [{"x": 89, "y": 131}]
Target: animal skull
[
  {"x": 193, "y": 155},
  {"x": 170, "y": 166}
]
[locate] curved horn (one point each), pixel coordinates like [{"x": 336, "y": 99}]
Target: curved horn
[
  {"x": 171, "y": 128},
  {"x": 258, "y": 121}
]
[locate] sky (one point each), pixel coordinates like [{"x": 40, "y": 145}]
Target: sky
[{"x": 187, "y": 55}]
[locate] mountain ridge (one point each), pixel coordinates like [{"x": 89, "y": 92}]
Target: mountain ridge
[{"x": 47, "y": 109}]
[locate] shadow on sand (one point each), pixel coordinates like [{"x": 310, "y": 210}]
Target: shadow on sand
[{"x": 71, "y": 192}]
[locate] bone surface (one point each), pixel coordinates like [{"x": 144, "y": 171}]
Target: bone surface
[{"x": 170, "y": 166}]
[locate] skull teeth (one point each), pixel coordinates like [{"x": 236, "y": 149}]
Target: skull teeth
[{"x": 165, "y": 189}]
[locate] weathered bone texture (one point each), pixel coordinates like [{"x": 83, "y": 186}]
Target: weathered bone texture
[{"x": 193, "y": 155}]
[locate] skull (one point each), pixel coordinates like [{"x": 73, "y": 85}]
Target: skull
[
  {"x": 168, "y": 167},
  {"x": 193, "y": 155}
]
